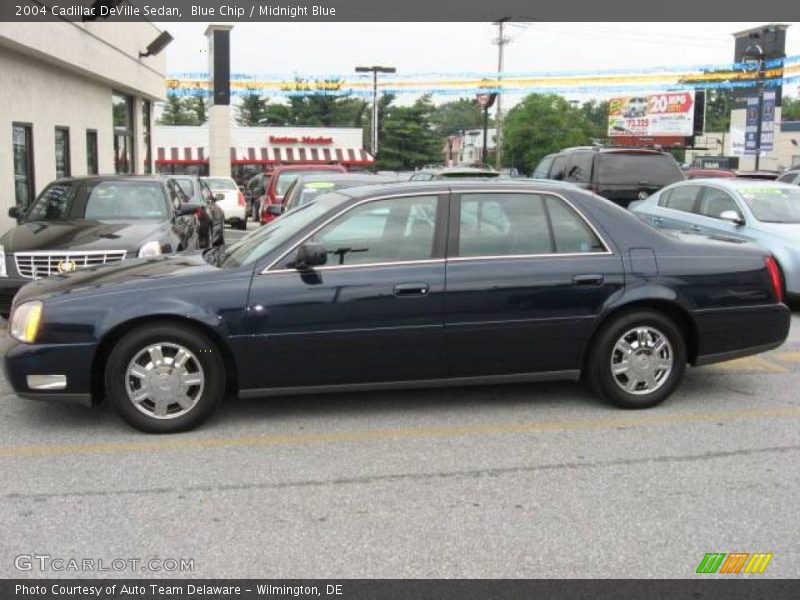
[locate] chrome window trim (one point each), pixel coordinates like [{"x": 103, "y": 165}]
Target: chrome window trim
[{"x": 606, "y": 252}]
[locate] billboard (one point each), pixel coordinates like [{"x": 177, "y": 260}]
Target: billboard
[{"x": 652, "y": 115}]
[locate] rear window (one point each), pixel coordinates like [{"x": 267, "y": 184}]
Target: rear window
[
  {"x": 221, "y": 184},
  {"x": 187, "y": 185},
  {"x": 650, "y": 169}
]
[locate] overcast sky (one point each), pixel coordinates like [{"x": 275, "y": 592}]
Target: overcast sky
[{"x": 335, "y": 48}]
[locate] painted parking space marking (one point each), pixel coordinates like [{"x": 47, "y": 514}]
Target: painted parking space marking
[
  {"x": 50, "y": 450},
  {"x": 755, "y": 364}
]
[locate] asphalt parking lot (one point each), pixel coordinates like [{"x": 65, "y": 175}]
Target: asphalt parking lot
[{"x": 506, "y": 481}]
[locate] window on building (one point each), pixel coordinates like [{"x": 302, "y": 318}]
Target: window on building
[
  {"x": 62, "y": 152},
  {"x": 147, "y": 108},
  {"x": 22, "y": 136},
  {"x": 124, "y": 160},
  {"x": 91, "y": 152}
]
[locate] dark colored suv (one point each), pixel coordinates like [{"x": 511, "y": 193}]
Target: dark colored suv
[{"x": 620, "y": 174}]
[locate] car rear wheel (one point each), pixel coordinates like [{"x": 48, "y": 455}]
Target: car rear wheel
[
  {"x": 165, "y": 378},
  {"x": 241, "y": 224},
  {"x": 637, "y": 360}
]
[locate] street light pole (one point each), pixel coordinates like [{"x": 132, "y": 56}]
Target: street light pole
[{"x": 375, "y": 69}]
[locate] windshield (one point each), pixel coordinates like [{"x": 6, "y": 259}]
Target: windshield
[
  {"x": 638, "y": 169},
  {"x": 266, "y": 239},
  {"x": 221, "y": 184},
  {"x": 773, "y": 204},
  {"x": 284, "y": 181},
  {"x": 313, "y": 190},
  {"x": 102, "y": 200},
  {"x": 54, "y": 203}
]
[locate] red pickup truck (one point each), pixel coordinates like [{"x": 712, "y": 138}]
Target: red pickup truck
[{"x": 279, "y": 182}]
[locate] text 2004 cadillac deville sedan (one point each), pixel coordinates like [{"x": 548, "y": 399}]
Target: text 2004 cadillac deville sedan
[{"x": 409, "y": 284}]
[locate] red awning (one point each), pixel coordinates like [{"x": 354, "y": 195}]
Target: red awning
[{"x": 267, "y": 155}]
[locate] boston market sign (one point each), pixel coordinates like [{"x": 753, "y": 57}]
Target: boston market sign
[{"x": 318, "y": 141}]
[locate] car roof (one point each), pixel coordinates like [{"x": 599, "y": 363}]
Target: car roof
[
  {"x": 114, "y": 177},
  {"x": 334, "y": 176},
  {"x": 284, "y": 168},
  {"x": 457, "y": 185},
  {"x": 614, "y": 150},
  {"x": 737, "y": 183}
]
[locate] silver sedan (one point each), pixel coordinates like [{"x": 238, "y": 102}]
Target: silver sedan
[{"x": 765, "y": 213}]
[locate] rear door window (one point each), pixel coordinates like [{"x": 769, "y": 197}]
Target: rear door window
[
  {"x": 655, "y": 170},
  {"x": 579, "y": 169},
  {"x": 559, "y": 167},
  {"x": 681, "y": 198},
  {"x": 570, "y": 232}
]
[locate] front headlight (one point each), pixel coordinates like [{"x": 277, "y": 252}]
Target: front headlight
[
  {"x": 26, "y": 321},
  {"x": 3, "y": 272},
  {"x": 150, "y": 249}
]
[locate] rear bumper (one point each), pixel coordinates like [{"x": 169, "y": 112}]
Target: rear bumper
[
  {"x": 26, "y": 364},
  {"x": 234, "y": 213},
  {"x": 728, "y": 333}
]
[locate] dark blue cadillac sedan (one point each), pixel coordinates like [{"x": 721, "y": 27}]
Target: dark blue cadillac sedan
[{"x": 400, "y": 285}]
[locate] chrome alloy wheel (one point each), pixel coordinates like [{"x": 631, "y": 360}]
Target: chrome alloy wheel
[
  {"x": 641, "y": 360},
  {"x": 164, "y": 380}
]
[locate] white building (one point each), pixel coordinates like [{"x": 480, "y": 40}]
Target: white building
[
  {"x": 76, "y": 99},
  {"x": 466, "y": 147},
  {"x": 184, "y": 149}
]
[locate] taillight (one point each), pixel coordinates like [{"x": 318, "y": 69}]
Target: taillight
[
  {"x": 775, "y": 277},
  {"x": 241, "y": 199},
  {"x": 198, "y": 212}
]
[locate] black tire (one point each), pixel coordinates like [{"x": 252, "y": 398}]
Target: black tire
[
  {"x": 241, "y": 224},
  {"x": 607, "y": 385},
  {"x": 204, "y": 352}
]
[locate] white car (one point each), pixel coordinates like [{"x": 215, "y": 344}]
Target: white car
[{"x": 230, "y": 199}]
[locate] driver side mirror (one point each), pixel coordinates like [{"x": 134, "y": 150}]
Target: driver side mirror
[
  {"x": 14, "y": 213},
  {"x": 275, "y": 210},
  {"x": 310, "y": 255},
  {"x": 732, "y": 216}
]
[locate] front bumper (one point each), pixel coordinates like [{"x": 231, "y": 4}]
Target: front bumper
[{"x": 28, "y": 368}]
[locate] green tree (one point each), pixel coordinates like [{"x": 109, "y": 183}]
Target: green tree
[
  {"x": 790, "y": 109},
  {"x": 719, "y": 103},
  {"x": 251, "y": 109},
  {"x": 542, "y": 124},
  {"x": 197, "y": 108},
  {"x": 407, "y": 139},
  {"x": 175, "y": 112},
  {"x": 451, "y": 117},
  {"x": 596, "y": 112},
  {"x": 325, "y": 108},
  {"x": 276, "y": 114}
]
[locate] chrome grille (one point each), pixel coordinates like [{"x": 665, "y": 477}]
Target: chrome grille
[{"x": 34, "y": 265}]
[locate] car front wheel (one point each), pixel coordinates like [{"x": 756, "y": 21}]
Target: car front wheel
[
  {"x": 637, "y": 359},
  {"x": 164, "y": 378}
]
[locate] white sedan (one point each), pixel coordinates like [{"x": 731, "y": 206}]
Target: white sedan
[{"x": 230, "y": 199}]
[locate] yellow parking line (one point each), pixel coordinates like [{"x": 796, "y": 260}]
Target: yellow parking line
[
  {"x": 788, "y": 356},
  {"x": 182, "y": 443},
  {"x": 750, "y": 363}
]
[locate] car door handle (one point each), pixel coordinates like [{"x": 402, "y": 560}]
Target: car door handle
[
  {"x": 696, "y": 228},
  {"x": 407, "y": 290},
  {"x": 658, "y": 221},
  {"x": 587, "y": 279}
]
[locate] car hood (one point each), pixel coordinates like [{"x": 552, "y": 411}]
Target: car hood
[
  {"x": 137, "y": 275},
  {"x": 80, "y": 235}
]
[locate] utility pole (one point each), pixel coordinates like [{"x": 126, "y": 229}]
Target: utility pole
[
  {"x": 501, "y": 42},
  {"x": 375, "y": 70}
]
